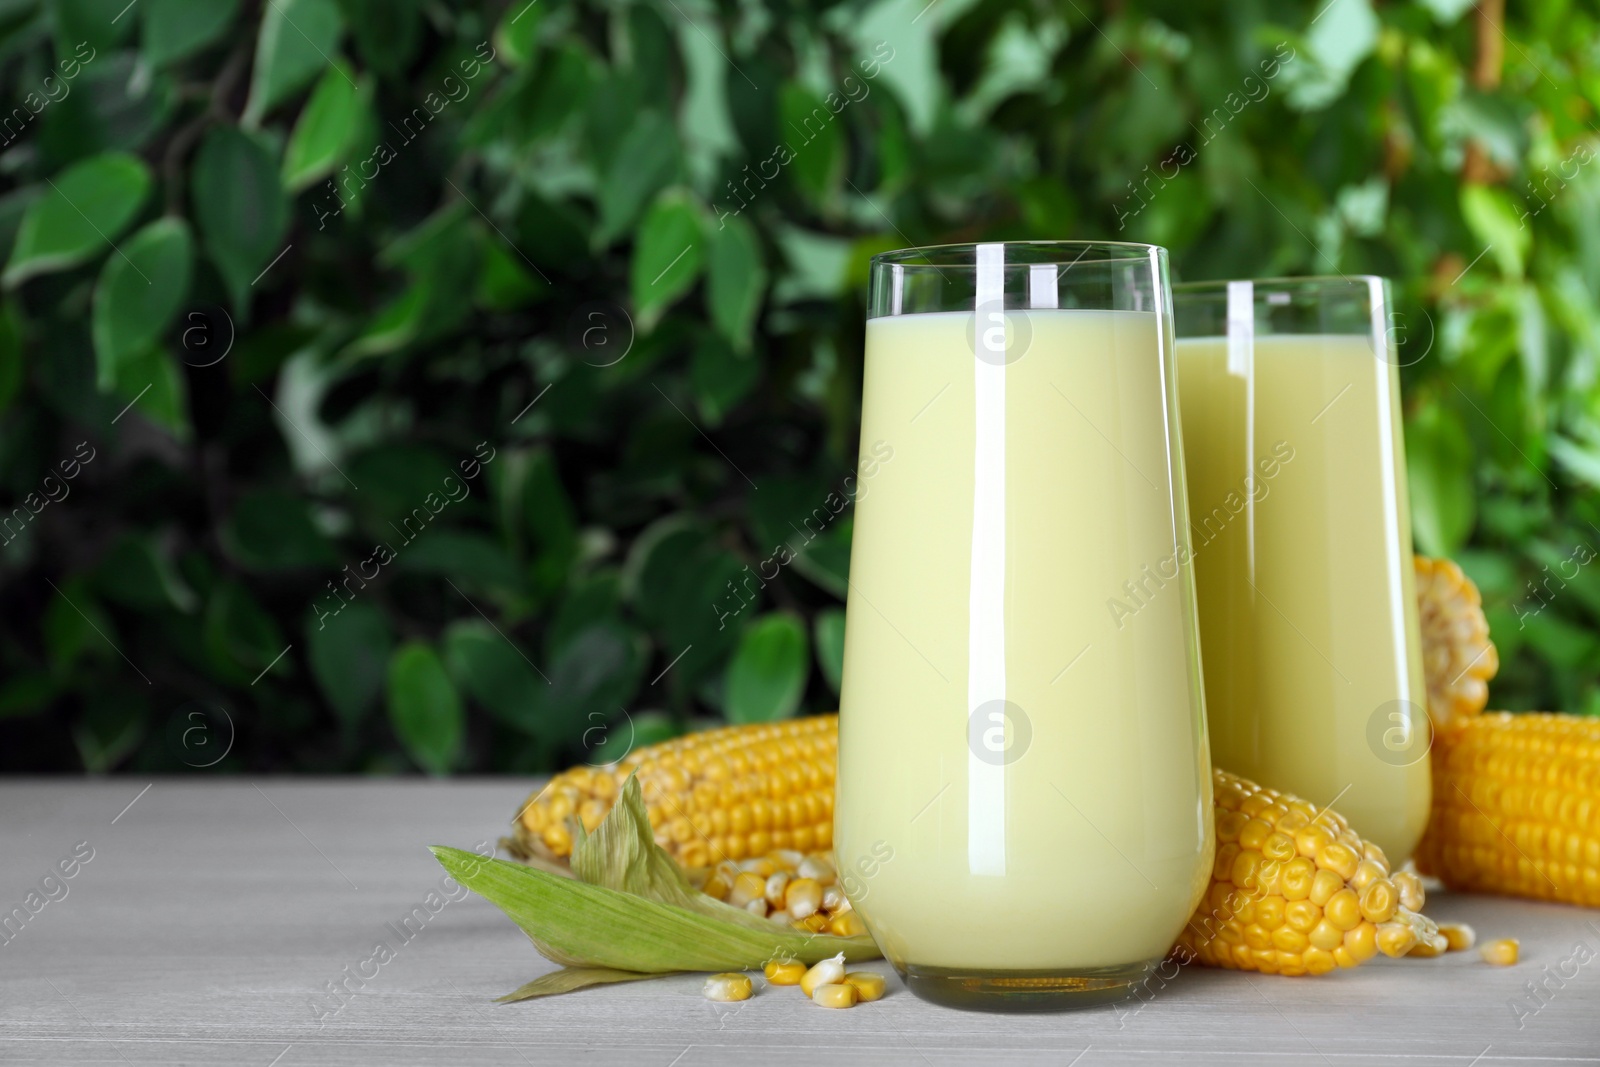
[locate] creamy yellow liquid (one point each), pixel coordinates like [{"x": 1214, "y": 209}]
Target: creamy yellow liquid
[
  {"x": 1308, "y": 617},
  {"x": 982, "y": 564}
]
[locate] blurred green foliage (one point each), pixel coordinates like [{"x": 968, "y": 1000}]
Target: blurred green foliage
[{"x": 393, "y": 384}]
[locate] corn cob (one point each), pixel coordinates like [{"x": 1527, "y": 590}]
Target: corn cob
[
  {"x": 1296, "y": 891},
  {"x": 1516, "y": 807},
  {"x": 727, "y": 794},
  {"x": 1516, "y": 798},
  {"x": 1458, "y": 657}
]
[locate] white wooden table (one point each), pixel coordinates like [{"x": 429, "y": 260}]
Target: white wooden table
[{"x": 213, "y": 917}]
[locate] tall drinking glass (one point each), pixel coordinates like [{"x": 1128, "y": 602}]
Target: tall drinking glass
[
  {"x": 1024, "y": 800},
  {"x": 1302, "y": 539}
]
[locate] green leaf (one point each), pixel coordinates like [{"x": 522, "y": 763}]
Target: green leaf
[
  {"x": 592, "y": 677},
  {"x": 387, "y": 32},
  {"x": 271, "y": 530},
  {"x": 88, "y": 205},
  {"x": 98, "y": 23},
  {"x": 239, "y": 206},
  {"x": 153, "y": 383},
  {"x": 139, "y": 292},
  {"x": 568, "y": 979},
  {"x": 682, "y": 585},
  {"x": 349, "y": 651},
  {"x": 815, "y": 138},
  {"x": 667, "y": 256},
  {"x": 517, "y": 35},
  {"x": 13, "y": 368},
  {"x": 424, "y": 708},
  {"x": 498, "y": 675},
  {"x": 767, "y": 676},
  {"x": 1439, "y": 466},
  {"x": 1496, "y": 222},
  {"x": 240, "y": 638},
  {"x": 721, "y": 378},
  {"x": 174, "y": 29},
  {"x": 324, "y": 131},
  {"x": 463, "y": 557},
  {"x": 110, "y": 729},
  {"x": 136, "y": 572},
  {"x": 297, "y": 39},
  {"x": 735, "y": 281},
  {"x": 647, "y": 161},
  {"x": 827, "y": 631}
]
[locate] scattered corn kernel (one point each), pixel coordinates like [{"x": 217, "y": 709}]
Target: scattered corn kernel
[
  {"x": 869, "y": 985},
  {"x": 784, "y": 971},
  {"x": 824, "y": 972},
  {"x": 1458, "y": 936},
  {"x": 1501, "y": 953},
  {"x": 728, "y": 986},
  {"x": 835, "y": 996}
]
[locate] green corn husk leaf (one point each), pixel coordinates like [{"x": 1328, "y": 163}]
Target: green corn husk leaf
[
  {"x": 568, "y": 979},
  {"x": 622, "y": 854},
  {"x": 631, "y": 909}
]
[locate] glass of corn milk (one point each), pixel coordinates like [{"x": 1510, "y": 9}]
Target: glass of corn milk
[
  {"x": 1024, "y": 801},
  {"x": 1301, "y": 532}
]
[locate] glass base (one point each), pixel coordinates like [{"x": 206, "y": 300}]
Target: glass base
[{"x": 984, "y": 990}]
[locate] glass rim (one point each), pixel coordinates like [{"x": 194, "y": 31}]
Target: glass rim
[
  {"x": 1308, "y": 281},
  {"x": 943, "y": 256}
]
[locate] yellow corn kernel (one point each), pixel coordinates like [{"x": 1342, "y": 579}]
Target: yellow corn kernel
[
  {"x": 1501, "y": 953},
  {"x": 1379, "y": 901},
  {"x": 1427, "y": 950},
  {"x": 747, "y": 887},
  {"x": 785, "y": 971},
  {"x": 1409, "y": 886},
  {"x": 1298, "y": 877},
  {"x": 1343, "y": 909},
  {"x": 824, "y": 972},
  {"x": 1326, "y": 936},
  {"x": 1362, "y": 942},
  {"x": 869, "y": 985},
  {"x": 835, "y": 996},
  {"x": 1395, "y": 939},
  {"x": 728, "y": 986},
  {"x": 846, "y": 924},
  {"x": 775, "y": 887},
  {"x": 1324, "y": 886},
  {"x": 804, "y": 897},
  {"x": 815, "y": 924},
  {"x": 758, "y": 906},
  {"x": 1458, "y": 936}
]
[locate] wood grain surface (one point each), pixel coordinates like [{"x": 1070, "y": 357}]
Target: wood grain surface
[{"x": 212, "y": 920}]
